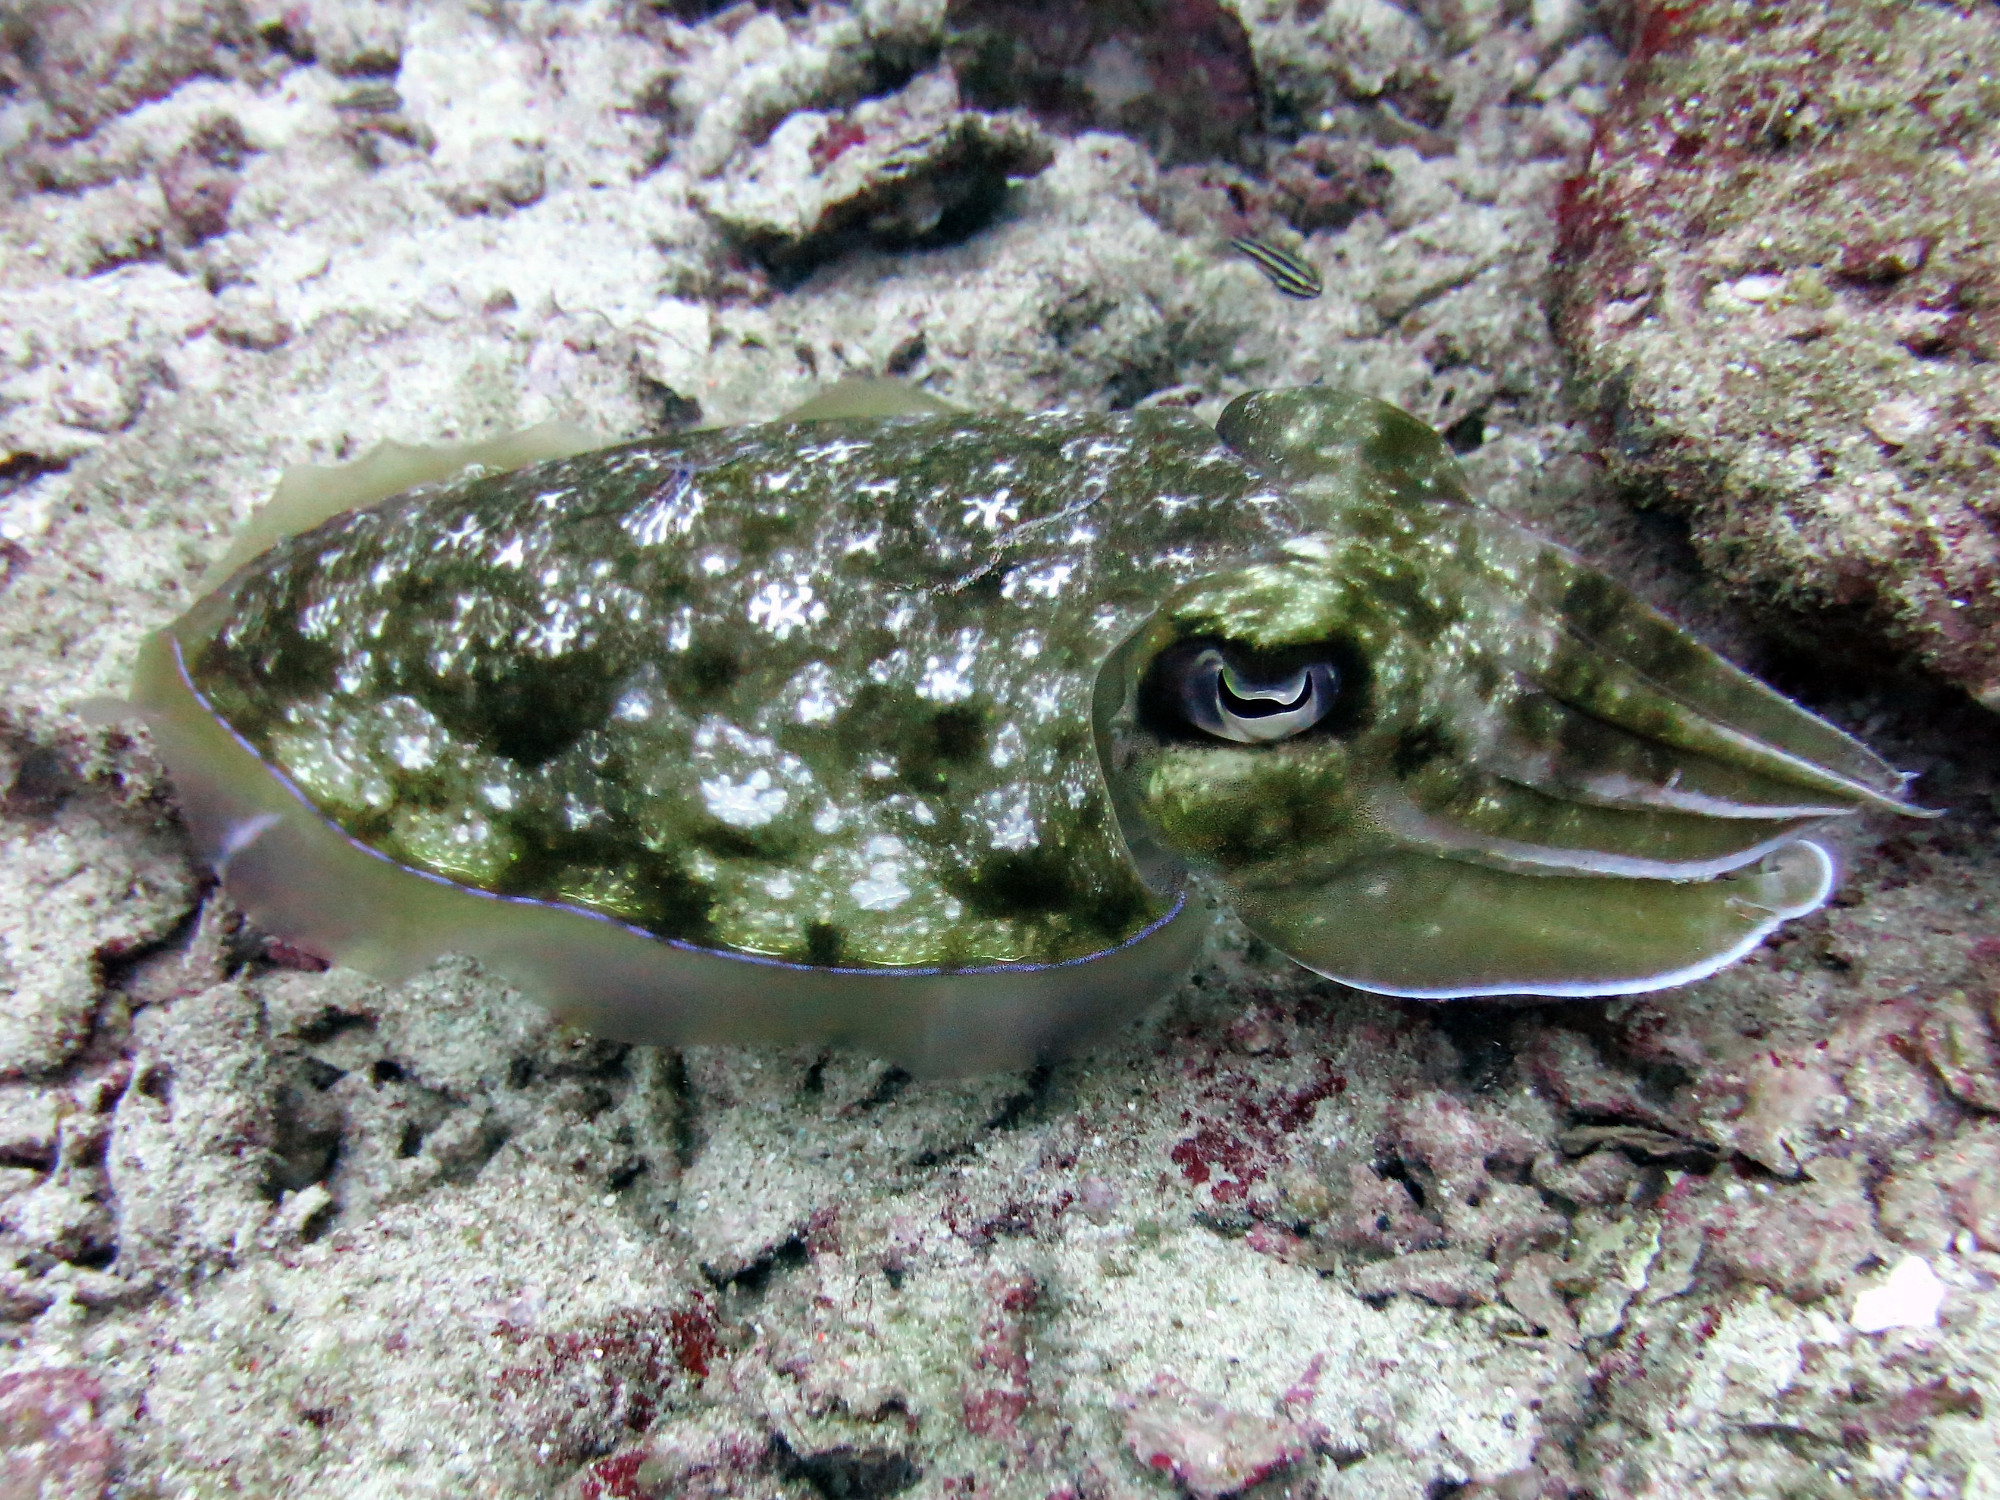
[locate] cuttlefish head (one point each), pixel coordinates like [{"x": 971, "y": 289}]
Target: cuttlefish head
[{"x": 1427, "y": 753}]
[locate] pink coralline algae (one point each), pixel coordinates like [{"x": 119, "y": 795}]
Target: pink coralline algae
[
  {"x": 1804, "y": 1241},
  {"x": 1241, "y": 1131},
  {"x": 1449, "y": 1278},
  {"x": 999, "y": 1389},
  {"x": 1209, "y": 1449},
  {"x": 1471, "y": 1167},
  {"x": 52, "y": 1445},
  {"x": 578, "y": 1391}
]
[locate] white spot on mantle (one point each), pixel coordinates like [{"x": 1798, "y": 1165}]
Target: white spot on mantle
[
  {"x": 749, "y": 803},
  {"x": 882, "y": 888},
  {"x": 782, "y": 608}
]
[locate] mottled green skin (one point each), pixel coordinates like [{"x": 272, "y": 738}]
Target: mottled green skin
[{"x": 814, "y": 691}]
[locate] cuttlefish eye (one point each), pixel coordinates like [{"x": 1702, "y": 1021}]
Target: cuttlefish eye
[{"x": 1239, "y": 693}]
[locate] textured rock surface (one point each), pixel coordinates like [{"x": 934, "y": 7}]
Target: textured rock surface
[
  {"x": 911, "y": 169},
  {"x": 276, "y": 1229},
  {"x": 1175, "y": 74},
  {"x": 1779, "y": 287}
]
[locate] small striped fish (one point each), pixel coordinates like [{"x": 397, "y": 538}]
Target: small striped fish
[{"x": 1289, "y": 274}]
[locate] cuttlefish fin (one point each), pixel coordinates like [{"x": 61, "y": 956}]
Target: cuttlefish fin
[
  {"x": 1329, "y": 444},
  {"x": 1402, "y": 922},
  {"x": 862, "y": 396}
]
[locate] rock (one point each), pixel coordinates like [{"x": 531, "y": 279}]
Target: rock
[
  {"x": 52, "y": 1445},
  {"x": 1325, "y": 182},
  {"x": 1968, "y": 1172},
  {"x": 1599, "y": 1178},
  {"x": 1529, "y": 1290},
  {"x": 1910, "y": 1206},
  {"x": 1176, "y": 74},
  {"x": 1450, "y": 1278},
  {"x": 351, "y": 38},
  {"x": 1206, "y": 1448},
  {"x": 911, "y": 169},
  {"x": 1316, "y": 57},
  {"x": 89, "y": 59},
  {"x": 1458, "y": 1157},
  {"x": 736, "y": 78},
  {"x": 1775, "y": 281},
  {"x": 199, "y": 182},
  {"x": 192, "y": 1137},
  {"x": 1376, "y": 1214},
  {"x": 75, "y": 890},
  {"x": 66, "y": 1216},
  {"x": 28, "y": 1116},
  {"x": 1802, "y": 1241},
  {"x": 1787, "y": 1104},
  {"x": 999, "y": 1389},
  {"x": 576, "y": 1391},
  {"x": 711, "y": 1455},
  {"x": 1909, "y": 1298},
  {"x": 248, "y": 317},
  {"x": 1894, "y": 1101},
  {"x": 1610, "y": 1260},
  {"x": 509, "y": 175},
  {"x": 1957, "y": 1037},
  {"x": 84, "y": 358}
]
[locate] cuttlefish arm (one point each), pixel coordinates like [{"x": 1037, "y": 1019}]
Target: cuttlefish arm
[{"x": 1533, "y": 782}]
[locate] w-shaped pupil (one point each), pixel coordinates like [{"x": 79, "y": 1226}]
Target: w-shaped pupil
[{"x": 1250, "y": 700}]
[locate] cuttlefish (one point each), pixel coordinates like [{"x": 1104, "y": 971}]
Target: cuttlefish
[{"x": 940, "y": 734}]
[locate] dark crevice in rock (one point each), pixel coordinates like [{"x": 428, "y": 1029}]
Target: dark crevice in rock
[
  {"x": 947, "y": 209},
  {"x": 753, "y": 1280},
  {"x": 1468, "y": 433},
  {"x": 1178, "y": 75},
  {"x": 1638, "y": 1142},
  {"x": 892, "y": 1082},
  {"x": 667, "y": 408},
  {"x": 1482, "y": 1034},
  {"x": 1135, "y": 383},
  {"x": 1012, "y": 1110},
  {"x": 42, "y": 782},
  {"x": 332, "y": 1023},
  {"x": 853, "y": 1473},
  {"x": 20, "y": 470},
  {"x": 687, "y": 1135},
  {"x": 1394, "y": 1168}
]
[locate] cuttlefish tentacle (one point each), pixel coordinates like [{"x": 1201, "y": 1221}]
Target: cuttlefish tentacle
[{"x": 1615, "y": 658}]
